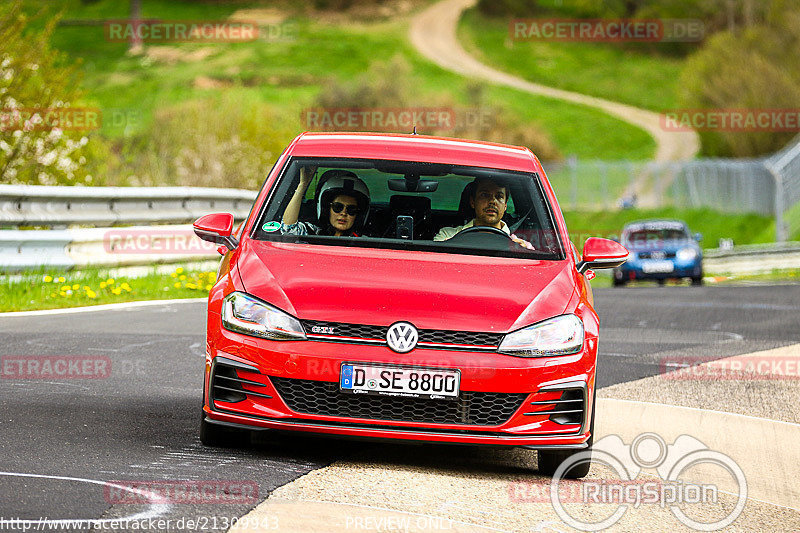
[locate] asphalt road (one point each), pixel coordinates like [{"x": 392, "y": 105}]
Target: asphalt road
[{"x": 140, "y": 422}]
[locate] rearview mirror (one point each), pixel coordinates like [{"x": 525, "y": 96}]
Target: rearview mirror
[
  {"x": 409, "y": 184},
  {"x": 601, "y": 253},
  {"x": 216, "y": 228}
]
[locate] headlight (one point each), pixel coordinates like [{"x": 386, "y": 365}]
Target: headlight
[
  {"x": 561, "y": 335},
  {"x": 686, "y": 254},
  {"x": 243, "y": 313}
]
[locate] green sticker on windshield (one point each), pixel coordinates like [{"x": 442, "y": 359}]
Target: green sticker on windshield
[{"x": 271, "y": 226}]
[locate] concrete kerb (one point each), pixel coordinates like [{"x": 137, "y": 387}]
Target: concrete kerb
[{"x": 766, "y": 450}]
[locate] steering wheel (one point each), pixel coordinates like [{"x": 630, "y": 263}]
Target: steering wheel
[{"x": 482, "y": 229}]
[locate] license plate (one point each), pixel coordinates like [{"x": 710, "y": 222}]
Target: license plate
[
  {"x": 382, "y": 380},
  {"x": 655, "y": 266}
]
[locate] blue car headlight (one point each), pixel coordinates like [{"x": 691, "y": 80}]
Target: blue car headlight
[{"x": 686, "y": 255}]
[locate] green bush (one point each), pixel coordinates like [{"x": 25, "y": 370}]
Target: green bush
[
  {"x": 229, "y": 141},
  {"x": 387, "y": 85},
  {"x": 758, "y": 68}
]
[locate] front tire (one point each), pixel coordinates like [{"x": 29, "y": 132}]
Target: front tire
[
  {"x": 216, "y": 436},
  {"x": 698, "y": 281},
  {"x": 549, "y": 461}
]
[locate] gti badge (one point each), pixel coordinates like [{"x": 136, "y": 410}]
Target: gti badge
[
  {"x": 325, "y": 330},
  {"x": 402, "y": 337}
]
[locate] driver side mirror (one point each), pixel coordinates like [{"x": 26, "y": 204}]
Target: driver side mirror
[
  {"x": 216, "y": 228},
  {"x": 601, "y": 253}
]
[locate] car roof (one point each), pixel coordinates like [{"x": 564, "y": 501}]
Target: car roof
[{"x": 425, "y": 148}]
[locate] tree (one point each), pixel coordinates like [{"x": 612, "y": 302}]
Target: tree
[
  {"x": 33, "y": 79},
  {"x": 755, "y": 68}
]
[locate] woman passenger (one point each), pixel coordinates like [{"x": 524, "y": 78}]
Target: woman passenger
[{"x": 343, "y": 202}]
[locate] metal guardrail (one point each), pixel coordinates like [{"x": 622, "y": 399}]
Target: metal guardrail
[
  {"x": 24, "y": 205},
  {"x": 753, "y": 258},
  {"x": 39, "y": 205},
  {"x": 22, "y": 250},
  {"x": 754, "y": 249}
]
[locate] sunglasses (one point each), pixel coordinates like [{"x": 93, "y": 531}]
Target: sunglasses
[{"x": 352, "y": 210}]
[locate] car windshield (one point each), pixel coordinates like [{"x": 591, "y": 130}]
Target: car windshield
[
  {"x": 653, "y": 237},
  {"x": 411, "y": 206}
]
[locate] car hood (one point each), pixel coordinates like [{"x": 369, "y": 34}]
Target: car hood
[{"x": 430, "y": 290}]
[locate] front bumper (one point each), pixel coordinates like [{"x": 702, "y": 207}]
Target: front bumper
[
  {"x": 630, "y": 272},
  {"x": 246, "y": 377}
]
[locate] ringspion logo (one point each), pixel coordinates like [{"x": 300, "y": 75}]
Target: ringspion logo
[{"x": 648, "y": 451}]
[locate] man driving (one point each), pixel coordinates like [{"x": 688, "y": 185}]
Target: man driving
[{"x": 489, "y": 200}]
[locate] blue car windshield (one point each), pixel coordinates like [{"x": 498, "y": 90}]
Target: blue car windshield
[{"x": 655, "y": 237}]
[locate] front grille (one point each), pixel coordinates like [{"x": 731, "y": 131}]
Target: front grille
[
  {"x": 226, "y": 385},
  {"x": 566, "y": 409},
  {"x": 434, "y": 336},
  {"x": 656, "y": 255},
  {"x": 324, "y": 398}
]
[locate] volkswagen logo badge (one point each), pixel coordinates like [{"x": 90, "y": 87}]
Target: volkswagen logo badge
[{"x": 402, "y": 337}]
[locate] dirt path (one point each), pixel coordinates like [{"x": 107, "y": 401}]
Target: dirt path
[{"x": 433, "y": 34}]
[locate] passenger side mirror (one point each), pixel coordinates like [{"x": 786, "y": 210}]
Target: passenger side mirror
[
  {"x": 698, "y": 237},
  {"x": 601, "y": 253},
  {"x": 216, "y": 228}
]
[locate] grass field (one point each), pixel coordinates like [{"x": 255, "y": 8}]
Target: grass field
[
  {"x": 598, "y": 69},
  {"x": 743, "y": 229},
  {"x": 287, "y": 74},
  {"x": 55, "y": 290}
]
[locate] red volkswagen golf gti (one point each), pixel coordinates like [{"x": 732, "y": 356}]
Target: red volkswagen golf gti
[{"x": 405, "y": 287}]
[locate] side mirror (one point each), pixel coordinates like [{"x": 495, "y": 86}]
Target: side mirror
[
  {"x": 216, "y": 228},
  {"x": 601, "y": 253},
  {"x": 698, "y": 237}
]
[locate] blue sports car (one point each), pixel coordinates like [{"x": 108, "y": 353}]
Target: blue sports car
[{"x": 660, "y": 250}]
